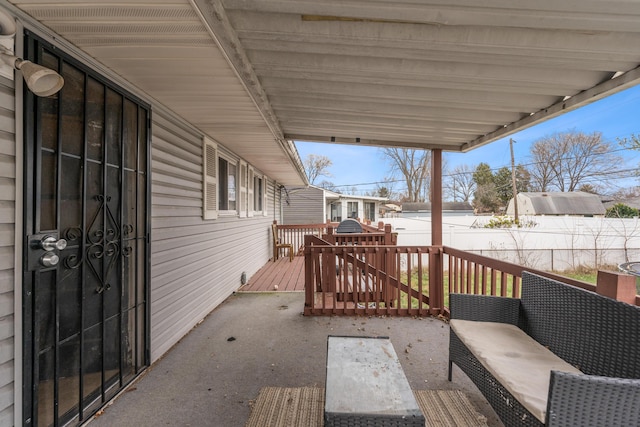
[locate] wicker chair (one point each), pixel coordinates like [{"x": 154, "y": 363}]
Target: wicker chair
[{"x": 594, "y": 333}]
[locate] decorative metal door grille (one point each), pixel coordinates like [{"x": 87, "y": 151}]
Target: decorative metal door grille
[{"x": 86, "y": 184}]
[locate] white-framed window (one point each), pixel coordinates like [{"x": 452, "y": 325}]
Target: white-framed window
[
  {"x": 210, "y": 179},
  {"x": 260, "y": 194},
  {"x": 352, "y": 209},
  {"x": 243, "y": 189},
  {"x": 250, "y": 191},
  {"x": 370, "y": 211},
  {"x": 265, "y": 184},
  {"x": 230, "y": 186},
  {"x": 336, "y": 212},
  {"x": 258, "y": 191},
  {"x": 227, "y": 182}
]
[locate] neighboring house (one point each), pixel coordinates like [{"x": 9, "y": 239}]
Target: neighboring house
[
  {"x": 390, "y": 210},
  {"x": 313, "y": 205},
  {"x": 413, "y": 210},
  {"x": 576, "y": 203}
]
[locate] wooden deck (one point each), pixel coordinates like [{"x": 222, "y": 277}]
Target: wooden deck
[{"x": 287, "y": 276}]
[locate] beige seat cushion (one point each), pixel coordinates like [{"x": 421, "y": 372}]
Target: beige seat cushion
[{"x": 518, "y": 362}]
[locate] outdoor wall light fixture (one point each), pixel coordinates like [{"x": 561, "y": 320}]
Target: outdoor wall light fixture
[{"x": 42, "y": 81}]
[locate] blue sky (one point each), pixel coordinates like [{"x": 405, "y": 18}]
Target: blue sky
[{"x": 617, "y": 116}]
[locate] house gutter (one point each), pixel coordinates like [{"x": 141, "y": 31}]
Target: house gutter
[
  {"x": 616, "y": 83},
  {"x": 215, "y": 19}
]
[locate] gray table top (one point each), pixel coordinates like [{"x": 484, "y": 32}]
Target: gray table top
[{"x": 364, "y": 375}]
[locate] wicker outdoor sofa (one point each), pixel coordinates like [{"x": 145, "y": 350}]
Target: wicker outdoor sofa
[{"x": 558, "y": 356}]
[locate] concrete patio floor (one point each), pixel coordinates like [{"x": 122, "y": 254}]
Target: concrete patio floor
[{"x": 253, "y": 340}]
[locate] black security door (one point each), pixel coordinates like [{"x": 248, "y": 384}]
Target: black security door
[{"x": 85, "y": 300}]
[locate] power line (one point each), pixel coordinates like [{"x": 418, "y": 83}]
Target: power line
[
  {"x": 492, "y": 170},
  {"x": 594, "y": 174}
]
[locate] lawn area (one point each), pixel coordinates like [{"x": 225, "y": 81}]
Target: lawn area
[
  {"x": 592, "y": 277},
  {"x": 583, "y": 275},
  {"x": 425, "y": 286}
]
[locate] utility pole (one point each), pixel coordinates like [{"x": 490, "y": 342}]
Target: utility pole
[{"x": 513, "y": 182}]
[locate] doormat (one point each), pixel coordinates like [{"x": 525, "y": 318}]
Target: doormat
[{"x": 304, "y": 407}]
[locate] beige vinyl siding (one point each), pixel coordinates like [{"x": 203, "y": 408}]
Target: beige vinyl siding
[
  {"x": 195, "y": 263},
  {"x": 7, "y": 247},
  {"x": 306, "y": 206}
]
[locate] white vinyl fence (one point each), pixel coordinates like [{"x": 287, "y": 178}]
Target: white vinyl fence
[{"x": 552, "y": 243}]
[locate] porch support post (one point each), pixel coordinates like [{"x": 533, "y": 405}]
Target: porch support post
[
  {"x": 436, "y": 282},
  {"x": 436, "y": 197}
]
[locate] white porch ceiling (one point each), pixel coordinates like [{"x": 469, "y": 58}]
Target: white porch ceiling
[{"x": 452, "y": 74}]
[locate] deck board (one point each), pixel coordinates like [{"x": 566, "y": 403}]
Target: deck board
[
  {"x": 288, "y": 276},
  {"x": 296, "y": 277}
]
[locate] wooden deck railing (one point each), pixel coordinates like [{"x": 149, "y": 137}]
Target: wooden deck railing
[
  {"x": 372, "y": 279},
  {"x": 369, "y": 236},
  {"x": 294, "y": 234},
  {"x": 466, "y": 272},
  {"x": 367, "y": 273},
  {"x": 365, "y": 279}
]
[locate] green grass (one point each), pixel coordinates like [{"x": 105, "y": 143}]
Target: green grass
[
  {"x": 589, "y": 276},
  {"x": 425, "y": 286},
  {"x": 592, "y": 277},
  {"x": 585, "y": 276}
]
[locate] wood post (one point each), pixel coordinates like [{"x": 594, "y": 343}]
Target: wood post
[
  {"x": 388, "y": 237},
  {"x": 309, "y": 282},
  {"x": 436, "y": 197},
  {"x": 436, "y": 282},
  {"x": 619, "y": 286}
]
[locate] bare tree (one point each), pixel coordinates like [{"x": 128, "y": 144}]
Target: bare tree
[
  {"x": 632, "y": 142},
  {"x": 328, "y": 185},
  {"x": 524, "y": 255},
  {"x": 565, "y": 161},
  {"x": 317, "y": 165},
  {"x": 460, "y": 184},
  {"x": 626, "y": 193},
  {"x": 541, "y": 171},
  {"x": 386, "y": 188},
  {"x": 627, "y": 227},
  {"x": 597, "y": 231},
  {"x": 414, "y": 167}
]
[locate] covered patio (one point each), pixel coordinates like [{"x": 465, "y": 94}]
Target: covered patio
[
  {"x": 229, "y": 85},
  {"x": 254, "y": 340}
]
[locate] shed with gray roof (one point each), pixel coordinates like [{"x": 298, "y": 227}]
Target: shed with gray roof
[{"x": 577, "y": 203}]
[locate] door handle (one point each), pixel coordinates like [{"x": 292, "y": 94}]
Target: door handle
[
  {"x": 49, "y": 259},
  {"x": 43, "y": 250},
  {"x": 50, "y": 243}
]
